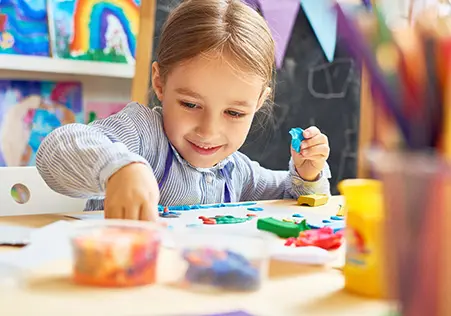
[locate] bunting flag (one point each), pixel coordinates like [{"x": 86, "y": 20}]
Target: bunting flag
[
  {"x": 281, "y": 16},
  {"x": 323, "y": 19}
]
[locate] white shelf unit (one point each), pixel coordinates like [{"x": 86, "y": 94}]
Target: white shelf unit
[
  {"x": 66, "y": 66},
  {"x": 101, "y": 81}
]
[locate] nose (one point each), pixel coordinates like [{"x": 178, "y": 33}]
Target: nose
[{"x": 208, "y": 127}]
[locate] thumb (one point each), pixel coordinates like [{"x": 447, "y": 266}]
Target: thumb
[{"x": 296, "y": 156}]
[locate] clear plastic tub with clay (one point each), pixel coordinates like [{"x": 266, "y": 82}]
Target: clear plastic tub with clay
[
  {"x": 215, "y": 260},
  {"x": 115, "y": 253}
]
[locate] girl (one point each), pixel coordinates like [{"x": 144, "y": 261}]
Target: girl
[{"x": 213, "y": 73}]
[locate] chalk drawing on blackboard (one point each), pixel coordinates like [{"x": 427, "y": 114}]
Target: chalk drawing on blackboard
[
  {"x": 331, "y": 80},
  {"x": 290, "y": 68},
  {"x": 347, "y": 152}
]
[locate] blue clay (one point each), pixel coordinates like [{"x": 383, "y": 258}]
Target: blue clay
[
  {"x": 337, "y": 218},
  {"x": 255, "y": 209},
  {"x": 296, "y": 138},
  {"x": 297, "y": 215},
  {"x": 326, "y": 221},
  {"x": 197, "y": 206},
  {"x": 193, "y": 225}
]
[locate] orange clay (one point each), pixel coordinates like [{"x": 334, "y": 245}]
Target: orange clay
[{"x": 115, "y": 257}]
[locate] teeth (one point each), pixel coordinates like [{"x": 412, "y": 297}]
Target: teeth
[{"x": 203, "y": 147}]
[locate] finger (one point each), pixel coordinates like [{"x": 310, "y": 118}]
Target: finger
[
  {"x": 318, "y": 150},
  {"x": 145, "y": 212},
  {"x": 116, "y": 212},
  {"x": 310, "y": 132},
  {"x": 132, "y": 211},
  {"x": 153, "y": 211},
  {"x": 315, "y": 140},
  {"x": 295, "y": 154}
]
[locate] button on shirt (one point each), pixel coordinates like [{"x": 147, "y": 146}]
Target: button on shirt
[{"x": 77, "y": 160}]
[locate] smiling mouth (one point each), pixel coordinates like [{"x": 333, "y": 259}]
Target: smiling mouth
[{"x": 205, "y": 150}]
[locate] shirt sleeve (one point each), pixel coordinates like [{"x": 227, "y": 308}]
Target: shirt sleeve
[
  {"x": 77, "y": 159},
  {"x": 260, "y": 183}
]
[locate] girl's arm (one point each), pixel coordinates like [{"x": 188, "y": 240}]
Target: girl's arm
[
  {"x": 263, "y": 184},
  {"x": 77, "y": 159}
]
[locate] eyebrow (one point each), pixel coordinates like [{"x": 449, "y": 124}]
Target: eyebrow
[{"x": 191, "y": 93}]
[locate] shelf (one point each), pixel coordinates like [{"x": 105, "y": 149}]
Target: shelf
[{"x": 65, "y": 66}]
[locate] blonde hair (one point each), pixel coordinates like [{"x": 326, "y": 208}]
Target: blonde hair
[{"x": 221, "y": 27}]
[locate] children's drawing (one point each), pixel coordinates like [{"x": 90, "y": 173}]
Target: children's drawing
[
  {"x": 100, "y": 30},
  {"x": 29, "y": 111},
  {"x": 99, "y": 110},
  {"x": 24, "y": 27}
]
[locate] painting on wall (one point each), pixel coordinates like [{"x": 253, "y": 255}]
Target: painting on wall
[
  {"x": 29, "y": 111},
  {"x": 24, "y": 28},
  {"x": 97, "y": 30},
  {"x": 99, "y": 110}
]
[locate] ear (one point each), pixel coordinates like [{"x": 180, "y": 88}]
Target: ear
[
  {"x": 263, "y": 97},
  {"x": 157, "y": 83}
]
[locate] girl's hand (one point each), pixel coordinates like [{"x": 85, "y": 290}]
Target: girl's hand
[
  {"x": 314, "y": 153},
  {"x": 132, "y": 193}
]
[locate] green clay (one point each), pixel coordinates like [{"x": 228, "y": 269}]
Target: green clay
[
  {"x": 281, "y": 228},
  {"x": 229, "y": 219}
]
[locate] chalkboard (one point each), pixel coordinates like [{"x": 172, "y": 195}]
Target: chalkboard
[{"x": 309, "y": 91}]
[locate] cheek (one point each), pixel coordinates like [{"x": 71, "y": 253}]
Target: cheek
[
  {"x": 176, "y": 120},
  {"x": 238, "y": 131}
]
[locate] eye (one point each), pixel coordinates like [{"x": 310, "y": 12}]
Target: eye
[
  {"x": 235, "y": 114},
  {"x": 188, "y": 104}
]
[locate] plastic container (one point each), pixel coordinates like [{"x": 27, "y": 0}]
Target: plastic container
[
  {"x": 364, "y": 270},
  {"x": 115, "y": 253},
  {"x": 223, "y": 261}
]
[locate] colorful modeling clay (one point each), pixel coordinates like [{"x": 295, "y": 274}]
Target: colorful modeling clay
[
  {"x": 221, "y": 269},
  {"x": 337, "y": 218},
  {"x": 115, "y": 256},
  {"x": 202, "y": 207},
  {"x": 324, "y": 238},
  {"x": 281, "y": 228},
  {"x": 336, "y": 226},
  {"x": 297, "y": 215},
  {"x": 221, "y": 219},
  {"x": 296, "y": 138},
  {"x": 169, "y": 214},
  {"x": 255, "y": 209},
  {"x": 313, "y": 199}
]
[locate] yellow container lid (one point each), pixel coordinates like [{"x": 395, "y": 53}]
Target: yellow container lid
[{"x": 363, "y": 196}]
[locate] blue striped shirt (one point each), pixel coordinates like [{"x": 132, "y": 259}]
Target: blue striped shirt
[{"x": 77, "y": 160}]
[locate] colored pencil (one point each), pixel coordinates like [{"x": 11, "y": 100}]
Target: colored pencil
[{"x": 410, "y": 76}]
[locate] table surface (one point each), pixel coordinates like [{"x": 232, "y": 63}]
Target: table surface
[{"x": 291, "y": 289}]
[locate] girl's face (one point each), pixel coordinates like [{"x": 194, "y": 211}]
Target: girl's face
[{"x": 207, "y": 108}]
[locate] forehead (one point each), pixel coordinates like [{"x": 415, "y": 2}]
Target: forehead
[{"x": 215, "y": 75}]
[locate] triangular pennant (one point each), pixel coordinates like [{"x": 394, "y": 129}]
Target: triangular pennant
[
  {"x": 254, "y": 4},
  {"x": 323, "y": 19},
  {"x": 280, "y": 16}
]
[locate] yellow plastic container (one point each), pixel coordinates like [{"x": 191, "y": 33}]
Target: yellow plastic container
[{"x": 365, "y": 255}]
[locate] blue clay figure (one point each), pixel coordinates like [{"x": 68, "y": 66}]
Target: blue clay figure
[
  {"x": 255, "y": 209},
  {"x": 198, "y": 206},
  {"x": 296, "y": 138}
]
